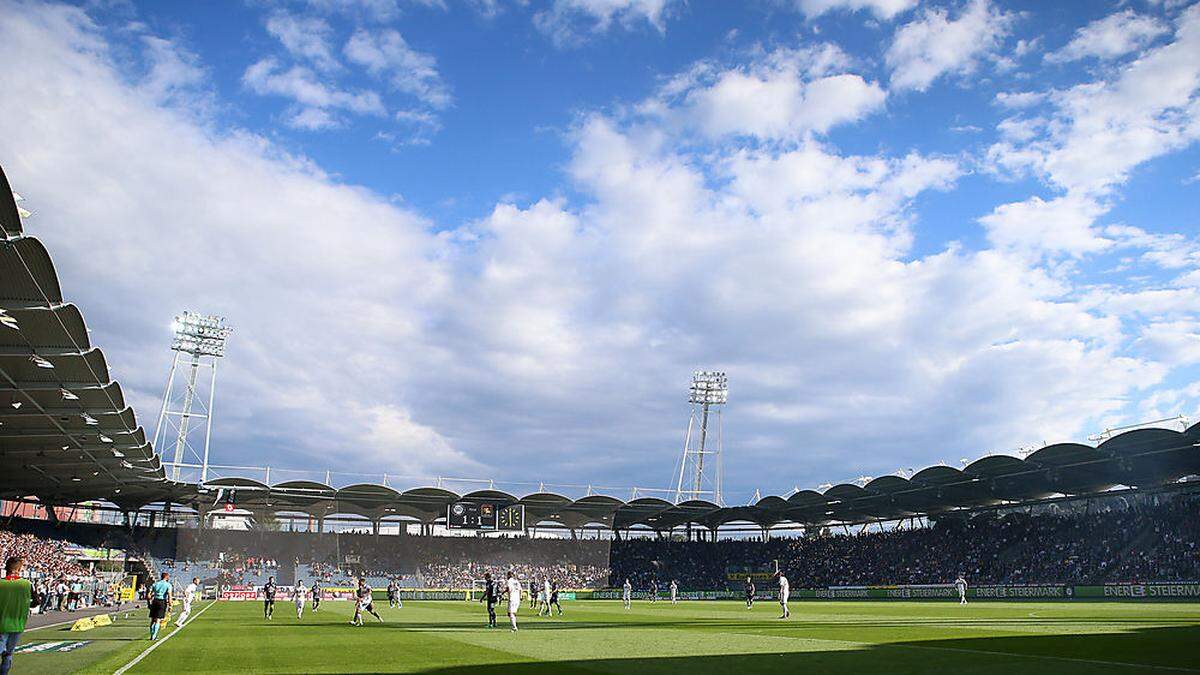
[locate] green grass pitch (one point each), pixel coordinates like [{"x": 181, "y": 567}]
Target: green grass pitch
[{"x": 1008, "y": 638}]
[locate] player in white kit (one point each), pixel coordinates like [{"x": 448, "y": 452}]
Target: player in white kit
[
  {"x": 513, "y": 588},
  {"x": 784, "y": 591},
  {"x": 298, "y": 598},
  {"x": 627, "y": 593},
  {"x": 960, "y": 584},
  {"x": 544, "y": 597},
  {"x": 189, "y": 594},
  {"x": 674, "y": 592}
]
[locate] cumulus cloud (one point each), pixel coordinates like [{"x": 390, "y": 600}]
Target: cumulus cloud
[
  {"x": 884, "y": 9},
  {"x": 568, "y": 22},
  {"x": 315, "y": 99},
  {"x": 307, "y": 38},
  {"x": 386, "y": 54},
  {"x": 376, "y": 340},
  {"x": 1060, "y": 225},
  {"x": 784, "y": 95},
  {"x": 1113, "y": 36},
  {"x": 1095, "y": 134},
  {"x": 934, "y": 44},
  {"x": 315, "y": 275}
]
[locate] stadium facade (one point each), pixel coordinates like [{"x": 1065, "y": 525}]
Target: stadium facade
[{"x": 67, "y": 436}]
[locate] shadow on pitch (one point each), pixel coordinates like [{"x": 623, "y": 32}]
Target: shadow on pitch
[{"x": 1147, "y": 650}]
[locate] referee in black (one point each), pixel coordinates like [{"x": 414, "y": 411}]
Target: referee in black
[{"x": 490, "y": 597}]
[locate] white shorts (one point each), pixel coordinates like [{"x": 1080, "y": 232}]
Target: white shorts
[
  {"x": 513, "y": 607},
  {"x": 784, "y": 598}
]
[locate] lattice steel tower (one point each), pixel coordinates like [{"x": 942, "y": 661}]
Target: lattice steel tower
[
  {"x": 709, "y": 391},
  {"x": 199, "y": 341}
]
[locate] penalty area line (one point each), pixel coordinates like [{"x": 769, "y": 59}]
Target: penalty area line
[{"x": 137, "y": 659}]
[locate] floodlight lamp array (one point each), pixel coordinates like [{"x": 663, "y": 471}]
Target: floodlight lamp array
[
  {"x": 709, "y": 387},
  {"x": 200, "y": 334}
]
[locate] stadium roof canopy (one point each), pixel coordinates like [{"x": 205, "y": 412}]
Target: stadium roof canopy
[{"x": 67, "y": 436}]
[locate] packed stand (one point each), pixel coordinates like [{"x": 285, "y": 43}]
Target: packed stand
[
  {"x": 59, "y": 582},
  {"x": 1144, "y": 543}
]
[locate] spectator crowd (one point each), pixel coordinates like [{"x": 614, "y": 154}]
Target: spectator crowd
[
  {"x": 60, "y": 583},
  {"x": 1144, "y": 543}
]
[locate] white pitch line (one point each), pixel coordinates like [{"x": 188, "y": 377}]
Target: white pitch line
[{"x": 168, "y": 636}]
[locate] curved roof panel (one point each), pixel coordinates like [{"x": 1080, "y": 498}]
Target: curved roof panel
[
  {"x": 1073, "y": 468},
  {"x": 954, "y": 488},
  {"x": 27, "y": 277},
  {"x": 10, "y": 219},
  {"x": 1010, "y": 478},
  {"x": 1149, "y": 456},
  {"x": 491, "y": 496}
]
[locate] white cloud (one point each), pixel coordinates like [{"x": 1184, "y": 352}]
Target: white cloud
[
  {"x": 315, "y": 98},
  {"x": 1175, "y": 342},
  {"x": 1019, "y": 99},
  {"x": 174, "y": 75},
  {"x": 934, "y": 45},
  {"x": 1060, "y": 225},
  {"x": 1113, "y": 36},
  {"x": 568, "y": 22},
  {"x": 386, "y": 54},
  {"x": 367, "y": 335},
  {"x": 1095, "y": 134},
  {"x": 884, "y": 9},
  {"x": 785, "y": 95},
  {"x": 253, "y": 233},
  {"x": 307, "y": 38}
]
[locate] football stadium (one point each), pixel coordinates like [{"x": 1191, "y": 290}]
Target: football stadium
[{"x": 411, "y": 428}]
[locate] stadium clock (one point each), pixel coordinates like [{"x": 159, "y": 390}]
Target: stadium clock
[{"x": 511, "y": 518}]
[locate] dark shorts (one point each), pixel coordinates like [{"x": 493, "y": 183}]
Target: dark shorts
[{"x": 158, "y": 609}]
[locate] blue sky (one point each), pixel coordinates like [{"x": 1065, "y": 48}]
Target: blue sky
[{"x": 489, "y": 238}]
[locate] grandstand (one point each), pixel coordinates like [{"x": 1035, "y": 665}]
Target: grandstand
[{"x": 1068, "y": 520}]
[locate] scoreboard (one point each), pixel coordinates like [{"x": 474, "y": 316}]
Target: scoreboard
[
  {"x": 484, "y": 516},
  {"x": 471, "y": 516}
]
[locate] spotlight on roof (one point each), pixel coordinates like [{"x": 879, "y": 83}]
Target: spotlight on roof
[
  {"x": 89, "y": 420},
  {"x": 8, "y": 320},
  {"x": 20, "y": 211},
  {"x": 68, "y": 395},
  {"x": 105, "y": 439}
]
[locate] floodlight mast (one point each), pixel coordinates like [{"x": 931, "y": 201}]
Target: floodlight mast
[
  {"x": 709, "y": 391},
  {"x": 199, "y": 340}
]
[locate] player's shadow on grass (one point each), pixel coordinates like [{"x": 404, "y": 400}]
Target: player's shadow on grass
[{"x": 1147, "y": 650}]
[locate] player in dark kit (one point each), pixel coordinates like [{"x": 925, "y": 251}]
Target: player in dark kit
[
  {"x": 554, "y": 599},
  {"x": 749, "y": 593},
  {"x": 365, "y": 603},
  {"x": 316, "y": 595},
  {"x": 490, "y": 597},
  {"x": 393, "y": 594},
  {"x": 269, "y": 598}
]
